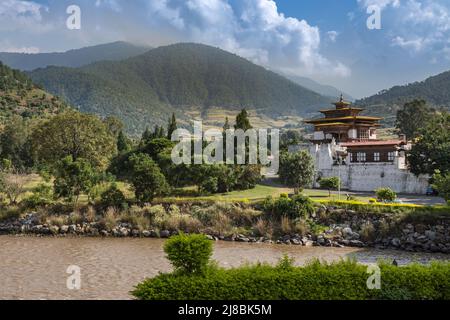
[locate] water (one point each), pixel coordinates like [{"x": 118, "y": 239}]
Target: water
[{"x": 35, "y": 268}]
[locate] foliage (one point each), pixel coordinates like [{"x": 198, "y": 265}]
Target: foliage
[
  {"x": 143, "y": 90},
  {"x": 12, "y": 183},
  {"x": 113, "y": 197},
  {"x": 385, "y": 194},
  {"x": 442, "y": 184},
  {"x": 293, "y": 208},
  {"x": 412, "y": 117},
  {"x": 431, "y": 151},
  {"x": 243, "y": 121},
  {"x": 73, "y": 178},
  {"x": 344, "y": 280},
  {"x": 331, "y": 183},
  {"x": 297, "y": 169},
  {"x": 42, "y": 195},
  {"x": 146, "y": 178},
  {"x": 74, "y": 134},
  {"x": 188, "y": 254}
]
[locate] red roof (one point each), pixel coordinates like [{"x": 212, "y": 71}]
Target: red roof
[{"x": 373, "y": 143}]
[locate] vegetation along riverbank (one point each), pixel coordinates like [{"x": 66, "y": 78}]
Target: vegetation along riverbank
[{"x": 196, "y": 277}]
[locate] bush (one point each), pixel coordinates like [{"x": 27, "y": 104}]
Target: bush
[
  {"x": 329, "y": 184},
  {"x": 209, "y": 186},
  {"x": 345, "y": 280},
  {"x": 386, "y": 194},
  {"x": 188, "y": 254},
  {"x": 42, "y": 196},
  {"x": 113, "y": 197},
  {"x": 298, "y": 207},
  {"x": 372, "y": 200}
]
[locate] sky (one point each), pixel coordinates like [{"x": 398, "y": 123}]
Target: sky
[{"x": 326, "y": 40}]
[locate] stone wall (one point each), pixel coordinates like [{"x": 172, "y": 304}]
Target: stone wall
[{"x": 367, "y": 176}]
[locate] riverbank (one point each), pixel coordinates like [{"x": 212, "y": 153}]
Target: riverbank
[
  {"x": 326, "y": 226},
  {"x": 35, "y": 267}
]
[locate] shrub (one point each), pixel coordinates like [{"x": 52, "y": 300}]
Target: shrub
[
  {"x": 329, "y": 184},
  {"x": 297, "y": 207},
  {"x": 189, "y": 254},
  {"x": 42, "y": 196},
  {"x": 386, "y": 194},
  {"x": 209, "y": 185},
  {"x": 113, "y": 197},
  {"x": 345, "y": 280},
  {"x": 372, "y": 200}
]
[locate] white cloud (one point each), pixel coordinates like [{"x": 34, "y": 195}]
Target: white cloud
[
  {"x": 254, "y": 29},
  {"x": 112, "y": 4},
  {"x": 332, "y": 35},
  {"x": 380, "y": 3},
  {"x": 21, "y": 15},
  {"x": 415, "y": 44}
]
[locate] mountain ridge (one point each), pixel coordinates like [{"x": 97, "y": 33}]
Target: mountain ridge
[{"x": 142, "y": 90}]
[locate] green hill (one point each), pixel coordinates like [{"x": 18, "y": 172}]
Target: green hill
[
  {"x": 435, "y": 90},
  {"x": 72, "y": 58},
  {"x": 145, "y": 89},
  {"x": 19, "y": 96}
]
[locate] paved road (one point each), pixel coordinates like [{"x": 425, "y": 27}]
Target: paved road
[{"x": 405, "y": 198}]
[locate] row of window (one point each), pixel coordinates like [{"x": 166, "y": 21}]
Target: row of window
[{"x": 362, "y": 157}]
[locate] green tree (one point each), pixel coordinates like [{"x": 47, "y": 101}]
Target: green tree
[
  {"x": 123, "y": 143},
  {"x": 442, "y": 184},
  {"x": 74, "y": 178},
  {"x": 73, "y": 134},
  {"x": 332, "y": 183},
  {"x": 431, "y": 150},
  {"x": 146, "y": 178},
  {"x": 412, "y": 117},
  {"x": 114, "y": 125},
  {"x": 297, "y": 169},
  {"x": 15, "y": 143},
  {"x": 189, "y": 254},
  {"x": 113, "y": 197},
  {"x": 243, "y": 121},
  {"x": 386, "y": 194},
  {"x": 172, "y": 126}
]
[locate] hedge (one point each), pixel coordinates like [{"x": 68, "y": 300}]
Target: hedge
[{"x": 345, "y": 280}]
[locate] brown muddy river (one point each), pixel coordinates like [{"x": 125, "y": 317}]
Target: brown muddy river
[{"x": 35, "y": 268}]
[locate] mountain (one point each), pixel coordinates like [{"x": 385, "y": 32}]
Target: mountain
[
  {"x": 435, "y": 90},
  {"x": 145, "y": 89},
  {"x": 325, "y": 90},
  {"x": 74, "y": 58},
  {"x": 19, "y": 96}
]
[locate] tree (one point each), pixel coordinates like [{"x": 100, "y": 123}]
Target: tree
[
  {"x": 113, "y": 197},
  {"x": 12, "y": 183},
  {"x": 15, "y": 144},
  {"x": 332, "y": 183},
  {"x": 243, "y": 121},
  {"x": 146, "y": 178},
  {"x": 189, "y": 254},
  {"x": 172, "y": 126},
  {"x": 123, "y": 143},
  {"x": 114, "y": 125},
  {"x": 73, "y": 134},
  {"x": 297, "y": 169},
  {"x": 431, "y": 150},
  {"x": 226, "y": 126},
  {"x": 412, "y": 117},
  {"x": 386, "y": 194},
  {"x": 442, "y": 184},
  {"x": 73, "y": 178}
]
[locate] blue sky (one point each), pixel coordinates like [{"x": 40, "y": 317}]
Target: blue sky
[{"x": 326, "y": 40}]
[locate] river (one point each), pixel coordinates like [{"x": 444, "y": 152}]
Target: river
[{"x": 35, "y": 268}]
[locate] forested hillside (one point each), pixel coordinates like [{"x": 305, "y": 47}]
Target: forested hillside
[
  {"x": 72, "y": 58},
  {"x": 143, "y": 90},
  {"x": 434, "y": 90},
  {"x": 19, "y": 96}
]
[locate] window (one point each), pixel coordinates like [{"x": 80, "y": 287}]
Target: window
[
  {"x": 391, "y": 156},
  {"x": 351, "y": 157},
  {"x": 376, "y": 157},
  {"x": 361, "y": 156},
  {"x": 364, "y": 134}
]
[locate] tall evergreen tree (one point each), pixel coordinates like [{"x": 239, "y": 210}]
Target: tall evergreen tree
[
  {"x": 172, "y": 126},
  {"x": 123, "y": 143}
]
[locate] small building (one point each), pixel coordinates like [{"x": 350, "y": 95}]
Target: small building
[{"x": 345, "y": 144}]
